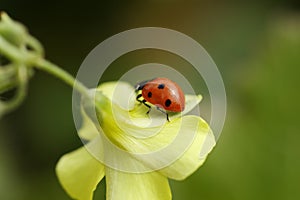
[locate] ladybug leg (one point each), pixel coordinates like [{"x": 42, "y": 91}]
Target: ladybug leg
[
  {"x": 138, "y": 98},
  {"x": 144, "y": 102},
  {"x": 163, "y": 111}
]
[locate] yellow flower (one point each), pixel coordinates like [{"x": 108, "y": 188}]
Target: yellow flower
[{"x": 136, "y": 153}]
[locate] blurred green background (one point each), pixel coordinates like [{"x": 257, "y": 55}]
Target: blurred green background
[{"x": 255, "y": 44}]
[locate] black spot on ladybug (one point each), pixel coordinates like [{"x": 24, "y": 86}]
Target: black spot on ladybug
[
  {"x": 149, "y": 94},
  {"x": 168, "y": 102},
  {"x": 161, "y": 86}
]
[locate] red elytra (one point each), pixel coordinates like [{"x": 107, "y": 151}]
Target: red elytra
[{"x": 163, "y": 93}]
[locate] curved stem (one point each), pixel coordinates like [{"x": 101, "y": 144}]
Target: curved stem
[
  {"x": 55, "y": 70},
  {"x": 14, "y": 43},
  {"x": 20, "y": 56},
  {"x": 9, "y": 106}
]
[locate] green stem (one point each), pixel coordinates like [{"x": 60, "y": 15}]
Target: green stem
[
  {"x": 18, "y": 56},
  {"x": 9, "y": 106},
  {"x": 55, "y": 70},
  {"x": 9, "y": 50},
  {"x": 21, "y": 91},
  {"x": 14, "y": 41}
]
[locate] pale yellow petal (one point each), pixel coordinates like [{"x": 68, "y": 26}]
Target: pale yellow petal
[
  {"x": 123, "y": 94},
  {"x": 138, "y": 116},
  {"x": 154, "y": 146},
  {"x": 120, "y": 93},
  {"x": 88, "y": 130},
  {"x": 196, "y": 153},
  {"x": 129, "y": 186},
  {"x": 79, "y": 173}
]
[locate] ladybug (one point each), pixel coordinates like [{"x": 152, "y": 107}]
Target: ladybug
[{"x": 165, "y": 94}]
